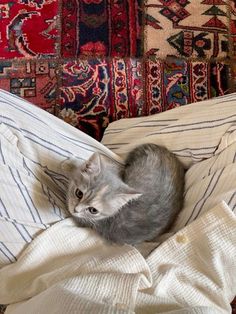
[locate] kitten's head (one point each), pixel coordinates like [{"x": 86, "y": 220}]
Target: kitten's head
[{"x": 96, "y": 190}]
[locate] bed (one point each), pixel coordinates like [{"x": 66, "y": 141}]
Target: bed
[{"x": 66, "y": 269}]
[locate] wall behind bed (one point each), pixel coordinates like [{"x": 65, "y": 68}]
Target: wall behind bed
[{"x": 91, "y": 62}]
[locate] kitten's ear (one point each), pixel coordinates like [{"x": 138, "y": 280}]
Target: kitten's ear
[
  {"x": 93, "y": 164},
  {"x": 126, "y": 197}
]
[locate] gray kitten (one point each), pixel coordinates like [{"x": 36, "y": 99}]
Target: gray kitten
[{"x": 131, "y": 203}]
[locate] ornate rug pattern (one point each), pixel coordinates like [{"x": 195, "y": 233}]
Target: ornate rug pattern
[
  {"x": 34, "y": 80},
  {"x": 232, "y": 10},
  {"x": 29, "y": 28},
  {"x": 97, "y": 91},
  {"x": 101, "y": 27},
  {"x": 176, "y": 82},
  {"x": 187, "y": 28},
  {"x": 94, "y": 61}
]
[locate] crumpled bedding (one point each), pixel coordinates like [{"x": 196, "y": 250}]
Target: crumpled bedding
[{"x": 67, "y": 269}]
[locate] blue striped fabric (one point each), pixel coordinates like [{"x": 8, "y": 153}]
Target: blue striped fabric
[{"x": 33, "y": 147}]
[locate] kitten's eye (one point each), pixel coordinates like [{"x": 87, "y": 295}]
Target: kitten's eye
[
  {"x": 92, "y": 210},
  {"x": 79, "y": 194}
]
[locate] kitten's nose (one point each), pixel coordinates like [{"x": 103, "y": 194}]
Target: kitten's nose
[{"x": 77, "y": 210}]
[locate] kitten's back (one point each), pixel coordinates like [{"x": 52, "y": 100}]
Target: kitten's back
[{"x": 157, "y": 174}]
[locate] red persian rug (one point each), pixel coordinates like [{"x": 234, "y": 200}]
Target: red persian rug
[
  {"x": 97, "y": 91},
  {"x": 34, "y": 80},
  {"x": 28, "y": 28},
  {"x": 91, "y": 62},
  {"x": 232, "y": 10},
  {"x": 102, "y": 27},
  {"x": 177, "y": 82}
]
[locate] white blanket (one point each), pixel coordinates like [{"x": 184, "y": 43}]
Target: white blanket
[{"x": 72, "y": 270}]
